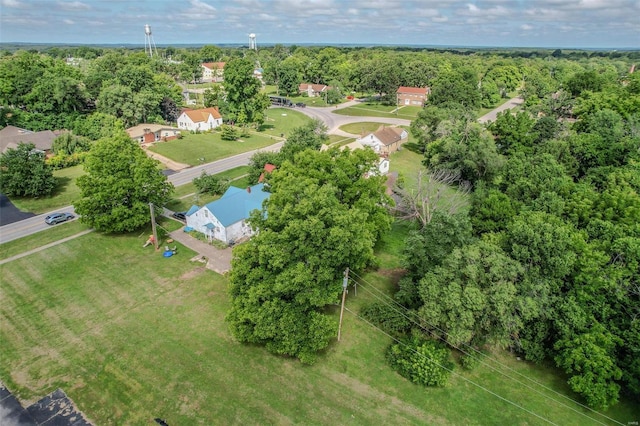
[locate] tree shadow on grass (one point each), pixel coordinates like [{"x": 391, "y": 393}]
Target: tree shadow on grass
[
  {"x": 62, "y": 182},
  {"x": 413, "y": 147},
  {"x": 264, "y": 127}
]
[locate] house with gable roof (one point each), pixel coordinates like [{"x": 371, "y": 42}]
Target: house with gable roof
[
  {"x": 213, "y": 71},
  {"x": 226, "y": 218},
  {"x": 313, "y": 89},
  {"x": 414, "y": 96},
  {"x": 200, "y": 119},
  {"x": 385, "y": 140},
  {"x": 11, "y": 136}
]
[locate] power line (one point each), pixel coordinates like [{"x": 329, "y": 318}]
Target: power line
[
  {"x": 451, "y": 371},
  {"x": 487, "y": 356}
]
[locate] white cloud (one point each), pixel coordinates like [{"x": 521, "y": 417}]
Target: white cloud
[
  {"x": 75, "y": 5},
  {"x": 202, "y": 6},
  {"x": 526, "y": 27},
  {"x": 68, "y": 21},
  {"x": 13, "y": 4}
]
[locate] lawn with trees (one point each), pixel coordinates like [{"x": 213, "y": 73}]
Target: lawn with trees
[{"x": 535, "y": 262}]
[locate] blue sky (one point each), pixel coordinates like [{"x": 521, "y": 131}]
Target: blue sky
[{"x": 520, "y": 23}]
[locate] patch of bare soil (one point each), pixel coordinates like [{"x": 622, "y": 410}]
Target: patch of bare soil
[{"x": 394, "y": 274}]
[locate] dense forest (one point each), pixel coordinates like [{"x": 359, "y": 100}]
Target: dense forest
[{"x": 545, "y": 261}]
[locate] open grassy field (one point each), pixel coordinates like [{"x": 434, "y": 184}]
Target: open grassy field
[
  {"x": 130, "y": 336},
  {"x": 282, "y": 121},
  {"x": 195, "y": 149},
  {"x": 65, "y": 193},
  {"x": 379, "y": 110}
]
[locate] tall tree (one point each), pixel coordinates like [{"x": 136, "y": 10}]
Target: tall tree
[
  {"x": 24, "y": 173},
  {"x": 119, "y": 184},
  {"x": 322, "y": 217},
  {"x": 245, "y": 103}
]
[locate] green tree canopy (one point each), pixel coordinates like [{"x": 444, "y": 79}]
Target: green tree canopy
[
  {"x": 245, "y": 103},
  {"x": 119, "y": 184},
  {"x": 322, "y": 217},
  {"x": 24, "y": 173}
]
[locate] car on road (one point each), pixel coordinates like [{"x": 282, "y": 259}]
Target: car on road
[
  {"x": 180, "y": 216},
  {"x": 55, "y": 218},
  {"x": 301, "y": 105}
]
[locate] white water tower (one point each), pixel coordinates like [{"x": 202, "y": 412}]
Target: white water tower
[
  {"x": 252, "y": 42},
  {"x": 149, "y": 43}
]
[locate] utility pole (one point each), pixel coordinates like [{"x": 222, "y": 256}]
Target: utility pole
[
  {"x": 345, "y": 281},
  {"x": 153, "y": 226}
]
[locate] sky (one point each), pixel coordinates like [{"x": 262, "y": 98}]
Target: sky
[{"x": 599, "y": 24}]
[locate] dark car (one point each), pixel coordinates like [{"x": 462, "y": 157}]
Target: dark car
[
  {"x": 180, "y": 216},
  {"x": 301, "y": 105},
  {"x": 54, "y": 218}
]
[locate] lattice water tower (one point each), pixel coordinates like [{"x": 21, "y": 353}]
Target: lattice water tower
[
  {"x": 149, "y": 43},
  {"x": 252, "y": 42}
]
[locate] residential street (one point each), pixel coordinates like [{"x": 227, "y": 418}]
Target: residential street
[{"x": 333, "y": 121}]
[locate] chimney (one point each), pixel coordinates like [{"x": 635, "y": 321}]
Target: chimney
[{"x": 249, "y": 189}]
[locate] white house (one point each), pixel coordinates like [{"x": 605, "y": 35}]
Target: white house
[
  {"x": 383, "y": 160},
  {"x": 313, "y": 89},
  {"x": 385, "y": 140},
  {"x": 200, "y": 119},
  {"x": 213, "y": 71},
  {"x": 225, "y": 218}
]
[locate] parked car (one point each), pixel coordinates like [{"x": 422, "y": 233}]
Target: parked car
[
  {"x": 54, "y": 218},
  {"x": 180, "y": 216},
  {"x": 301, "y": 105}
]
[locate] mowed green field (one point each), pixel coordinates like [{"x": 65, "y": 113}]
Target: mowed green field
[
  {"x": 130, "y": 335},
  {"x": 379, "y": 110}
]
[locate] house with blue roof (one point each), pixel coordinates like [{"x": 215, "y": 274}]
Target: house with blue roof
[{"x": 226, "y": 218}]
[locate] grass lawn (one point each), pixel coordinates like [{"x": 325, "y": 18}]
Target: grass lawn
[
  {"x": 379, "y": 110},
  {"x": 65, "y": 193},
  {"x": 195, "y": 149},
  {"x": 130, "y": 335},
  {"x": 361, "y": 127},
  {"x": 282, "y": 121},
  {"x": 40, "y": 239}
]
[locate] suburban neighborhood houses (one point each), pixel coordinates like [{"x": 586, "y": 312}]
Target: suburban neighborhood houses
[
  {"x": 200, "y": 119},
  {"x": 226, "y": 218}
]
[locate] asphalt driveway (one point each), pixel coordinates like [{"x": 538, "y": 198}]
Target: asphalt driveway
[{"x": 10, "y": 213}]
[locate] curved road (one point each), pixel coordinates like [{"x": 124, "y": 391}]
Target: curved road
[{"x": 326, "y": 114}]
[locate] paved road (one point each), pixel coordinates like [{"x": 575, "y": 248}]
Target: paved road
[
  {"x": 333, "y": 121},
  {"x": 510, "y": 104},
  {"x": 35, "y": 224},
  {"x": 10, "y": 213}
]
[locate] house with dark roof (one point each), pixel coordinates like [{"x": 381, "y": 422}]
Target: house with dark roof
[
  {"x": 148, "y": 132},
  {"x": 412, "y": 96},
  {"x": 385, "y": 140},
  {"x": 200, "y": 119},
  {"x": 11, "y": 136},
  {"x": 226, "y": 218},
  {"x": 313, "y": 89}
]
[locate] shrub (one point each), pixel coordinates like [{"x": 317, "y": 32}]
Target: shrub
[
  {"x": 229, "y": 133},
  {"x": 386, "y": 317},
  {"x": 424, "y": 362},
  {"x": 211, "y": 184}
]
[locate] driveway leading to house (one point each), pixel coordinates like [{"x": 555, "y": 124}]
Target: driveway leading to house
[
  {"x": 218, "y": 260},
  {"x": 10, "y": 213},
  {"x": 510, "y": 104}
]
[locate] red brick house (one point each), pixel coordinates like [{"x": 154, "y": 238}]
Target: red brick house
[{"x": 412, "y": 96}]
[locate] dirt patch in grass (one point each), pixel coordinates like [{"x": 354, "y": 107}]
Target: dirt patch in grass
[
  {"x": 394, "y": 274},
  {"x": 192, "y": 274}
]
